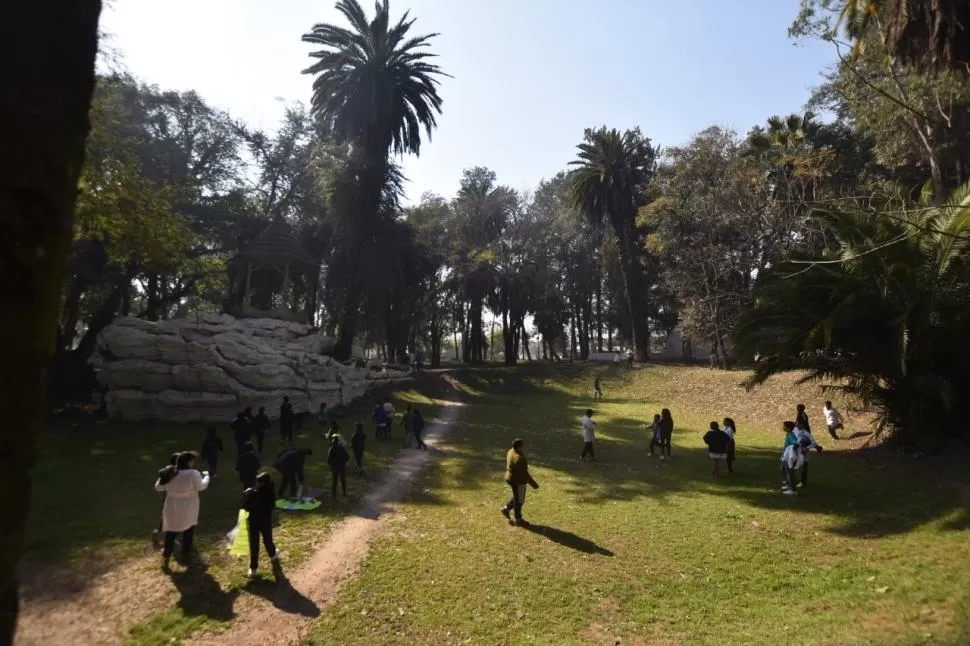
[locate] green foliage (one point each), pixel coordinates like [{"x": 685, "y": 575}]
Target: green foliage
[{"x": 882, "y": 313}]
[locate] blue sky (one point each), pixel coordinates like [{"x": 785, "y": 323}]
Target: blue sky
[{"x": 528, "y": 75}]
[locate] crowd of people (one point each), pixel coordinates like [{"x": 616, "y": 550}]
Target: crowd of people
[{"x": 180, "y": 482}]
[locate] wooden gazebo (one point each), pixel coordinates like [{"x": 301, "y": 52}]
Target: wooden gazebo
[{"x": 273, "y": 276}]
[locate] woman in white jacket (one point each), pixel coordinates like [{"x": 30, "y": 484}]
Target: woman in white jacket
[{"x": 181, "y": 511}]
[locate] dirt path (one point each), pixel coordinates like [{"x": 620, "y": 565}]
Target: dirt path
[
  {"x": 286, "y": 612},
  {"x": 100, "y": 602}
]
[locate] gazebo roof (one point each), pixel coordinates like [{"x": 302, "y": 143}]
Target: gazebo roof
[{"x": 277, "y": 245}]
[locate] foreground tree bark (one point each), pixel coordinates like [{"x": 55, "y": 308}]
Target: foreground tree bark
[{"x": 47, "y": 49}]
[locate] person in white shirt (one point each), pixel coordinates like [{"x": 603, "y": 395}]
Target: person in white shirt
[
  {"x": 730, "y": 430},
  {"x": 589, "y": 435},
  {"x": 389, "y": 411},
  {"x": 180, "y": 514},
  {"x": 833, "y": 419}
]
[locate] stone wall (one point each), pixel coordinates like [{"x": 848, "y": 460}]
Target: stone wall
[{"x": 209, "y": 367}]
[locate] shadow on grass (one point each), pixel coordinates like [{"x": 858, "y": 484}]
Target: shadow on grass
[
  {"x": 201, "y": 595},
  {"x": 282, "y": 594},
  {"x": 866, "y": 494},
  {"x": 567, "y": 539}
]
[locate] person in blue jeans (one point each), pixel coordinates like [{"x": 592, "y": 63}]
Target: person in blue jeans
[{"x": 517, "y": 477}]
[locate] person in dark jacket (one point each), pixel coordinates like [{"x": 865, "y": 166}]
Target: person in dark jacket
[
  {"x": 357, "y": 443},
  {"x": 717, "y": 442},
  {"x": 417, "y": 427},
  {"x": 248, "y": 465},
  {"x": 260, "y": 427},
  {"x": 517, "y": 477},
  {"x": 290, "y": 465},
  {"x": 260, "y": 501},
  {"x": 211, "y": 448},
  {"x": 337, "y": 458},
  {"x": 666, "y": 432},
  {"x": 287, "y": 419},
  {"x": 801, "y": 418},
  {"x": 241, "y": 431}
]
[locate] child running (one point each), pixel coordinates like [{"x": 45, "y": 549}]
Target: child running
[
  {"x": 589, "y": 436},
  {"x": 717, "y": 446},
  {"x": 260, "y": 501},
  {"x": 833, "y": 419},
  {"x": 655, "y": 437},
  {"x": 730, "y": 429}
]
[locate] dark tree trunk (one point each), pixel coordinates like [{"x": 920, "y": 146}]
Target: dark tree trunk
[
  {"x": 152, "y": 298},
  {"x": 347, "y": 330},
  {"x": 636, "y": 299},
  {"x": 48, "y": 50},
  {"x": 599, "y": 314},
  {"x": 525, "y": 341}
]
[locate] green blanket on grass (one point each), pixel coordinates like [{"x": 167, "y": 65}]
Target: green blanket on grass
[{"x": 302, "y": 504}]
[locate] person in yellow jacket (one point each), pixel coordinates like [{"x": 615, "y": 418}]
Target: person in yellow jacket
[{"x": 517, "y": 477}]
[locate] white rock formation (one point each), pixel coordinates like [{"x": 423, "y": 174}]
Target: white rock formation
[{"x": 209, "y": 367}]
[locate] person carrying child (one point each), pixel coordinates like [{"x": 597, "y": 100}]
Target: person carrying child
[
  {"x": 717, "y": 446},
  {"x": 211, "y": 448},
  {"x": 357, "y": 443},
  {"x": 248, "y": 465},
  {"x": 730, "y": 429},
  {"x": 655, "y": 436},
  {"x": 165, "y": 475},
  {"x": 337, "y": 458},
  {"x": 801, "y": 435},
  {"x": 260, "y": 501}
]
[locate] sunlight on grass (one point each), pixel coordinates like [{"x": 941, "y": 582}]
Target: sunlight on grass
[{"x": 629, "y": 549}]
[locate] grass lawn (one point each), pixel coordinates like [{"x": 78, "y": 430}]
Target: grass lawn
[
  {"x": 633, "y": 550},
  {"x": 94, "y": 506}
]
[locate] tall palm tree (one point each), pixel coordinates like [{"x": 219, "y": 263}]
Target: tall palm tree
[
  {"x": 611, "y": 171},
  {"x": 927, "y": 34},
  {"x": 48, "y": 51},
  {"x": 375, "y": 89}
]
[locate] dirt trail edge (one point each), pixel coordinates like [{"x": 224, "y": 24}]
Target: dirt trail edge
[{"x": 286, "y": 616}]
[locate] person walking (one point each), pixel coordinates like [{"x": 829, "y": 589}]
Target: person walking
[
  {"x": 337, "y": 458},
  {"x": 666, "y": 432},
  {"x": 248, "y": 465},
  {"x": 589, "y": 436},
  {"x": 260, "y": 501},
  {"x": 290, "y": 463},
  {"x": 241, "y": 430},
  {"x": 260, "y": 428},
  {"x": 211, "y": 448},
  {"x": 417, "y": 427},
  {"x": 730, "y": 429},
  {"x": 389, "y": 413},
  {"x": 717, "y": 445},
  {"x": 597, "y": 391},
  {"x": 180, "y": 514},
  {"x": 517, "y": 476},
  {"x": 357, "y": 442},
  {"x": 407, "y": 422},
  {"x": 380, "y": 420},
  {"x": 287, "y": 419},
  {"x": 833, "y": 420}
]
